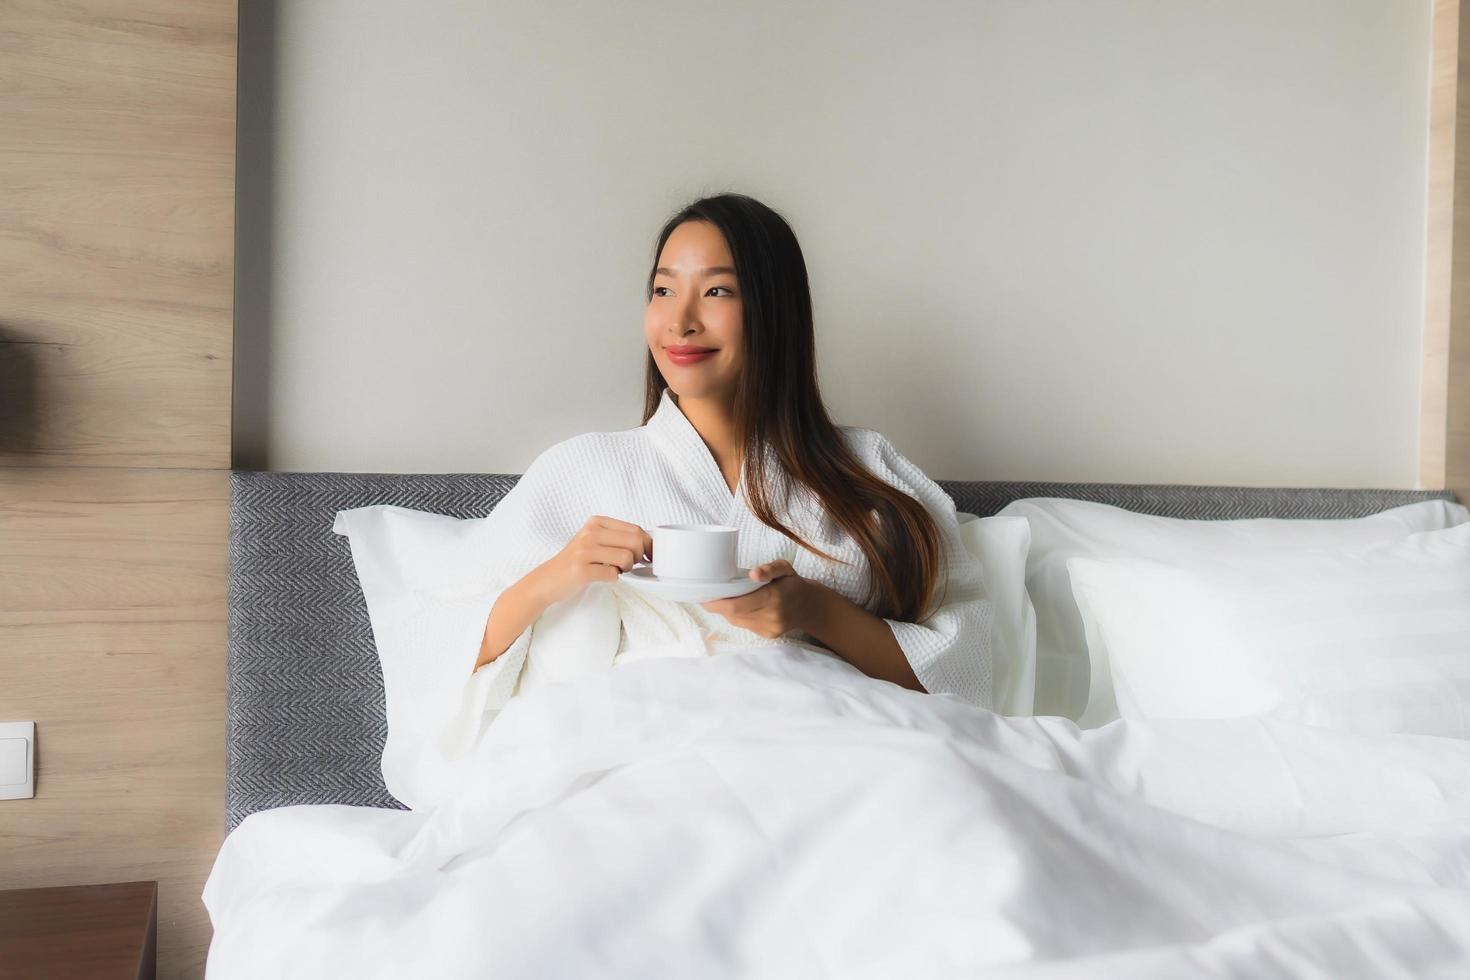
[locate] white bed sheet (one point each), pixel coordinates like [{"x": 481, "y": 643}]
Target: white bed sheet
[{"x": 773, "y": 812}]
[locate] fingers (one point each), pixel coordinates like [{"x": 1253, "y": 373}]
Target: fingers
[
  {"x": 602, "y": 520},
  {"x": 622, "y": 534},
  {"x": 613, "y": 524},
  {"x": 632, "y": 541},
  {"x": 772, "y": 570},
  {"x": 622, "y": 558},
  {"x": 741, "y": 605}
]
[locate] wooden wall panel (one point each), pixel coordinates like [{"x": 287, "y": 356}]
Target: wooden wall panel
[
  {"x": 1444, "y": 418},
  {"x": 113, "y": 631},
  {"x": 1457, "y": 413},
  {"x": 117, "y": 230},
  {"x": 116, "y": 336}
]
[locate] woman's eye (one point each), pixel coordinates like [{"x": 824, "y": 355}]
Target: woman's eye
[{"x": 660, "y": 290}]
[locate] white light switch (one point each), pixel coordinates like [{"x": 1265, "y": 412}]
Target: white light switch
[{"x": 17, "y": 760}]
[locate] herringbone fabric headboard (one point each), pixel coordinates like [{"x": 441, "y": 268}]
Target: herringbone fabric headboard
[{"x": 306, "y": 719}]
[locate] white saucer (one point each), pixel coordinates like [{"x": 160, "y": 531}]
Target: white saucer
[{"x": 642, "y": 578}]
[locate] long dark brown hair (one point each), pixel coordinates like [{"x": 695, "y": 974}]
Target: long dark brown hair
[{"x": 777, "y": 404}]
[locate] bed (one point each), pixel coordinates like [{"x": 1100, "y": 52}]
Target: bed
[{"x": 307, "y": 804}]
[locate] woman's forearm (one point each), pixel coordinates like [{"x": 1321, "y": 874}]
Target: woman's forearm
[
  {"x": 862, "y": 639},
  {"x": 517, "y": 608}
]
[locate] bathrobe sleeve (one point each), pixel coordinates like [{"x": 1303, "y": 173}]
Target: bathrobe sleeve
[
  {"x": 530, "y": 524},
  {"x": 949, "y": 650}
]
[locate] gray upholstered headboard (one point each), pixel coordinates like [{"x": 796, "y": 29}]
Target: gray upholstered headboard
[{"x": 306, "y": 721}]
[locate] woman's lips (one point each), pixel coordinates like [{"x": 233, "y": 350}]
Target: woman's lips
[{"x": 688, "y": 355}]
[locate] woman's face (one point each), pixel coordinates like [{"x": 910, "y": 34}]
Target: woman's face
[{"x": 696, "y": 303}]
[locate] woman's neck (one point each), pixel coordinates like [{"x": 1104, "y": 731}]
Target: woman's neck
[{"x": 714, "y": 420}]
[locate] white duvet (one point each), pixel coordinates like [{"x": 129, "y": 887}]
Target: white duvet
[{"x": 773, "y": 812}]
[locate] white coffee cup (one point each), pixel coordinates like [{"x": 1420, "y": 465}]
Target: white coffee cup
[{"x": 695, "y": 552}]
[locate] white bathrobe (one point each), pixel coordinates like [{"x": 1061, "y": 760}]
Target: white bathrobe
[{"x": 662, "y": 473}]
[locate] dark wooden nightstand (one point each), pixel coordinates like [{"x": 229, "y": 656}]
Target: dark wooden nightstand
[{"x": 81, "y": 931}]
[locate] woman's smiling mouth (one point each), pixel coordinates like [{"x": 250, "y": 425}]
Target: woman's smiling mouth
[{"x": 686, "y": 354}]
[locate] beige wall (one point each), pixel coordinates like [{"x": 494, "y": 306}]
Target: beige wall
[
  {"x": 1129, "y": 241},
  {"x": 116, "y": 275}
]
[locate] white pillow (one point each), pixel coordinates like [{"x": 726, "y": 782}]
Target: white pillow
[
  {"x": 1000, "y": 545},
  {"x": 1367, "y": 638},
  {"x": 1077, "y": 685},
  {"x": 428, "y": 594}
]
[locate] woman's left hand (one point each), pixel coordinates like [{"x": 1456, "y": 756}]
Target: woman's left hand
[{"x": 787, "y": 602}]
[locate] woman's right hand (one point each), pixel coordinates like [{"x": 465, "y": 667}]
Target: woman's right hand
[{"x": 602, "y": 550}]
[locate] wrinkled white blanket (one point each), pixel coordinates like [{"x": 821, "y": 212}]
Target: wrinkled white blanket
[{"x": 775, "y": 813}]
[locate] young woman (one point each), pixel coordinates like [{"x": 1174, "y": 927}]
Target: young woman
[{"x": 859, "y": 550}]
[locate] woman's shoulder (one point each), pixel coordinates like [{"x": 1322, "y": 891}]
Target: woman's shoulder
[
  {"x": 588, "y": 449},
  {"x": 879, "y": 454},
  {"x": 869, "y": 445},
  {"x": 569, "y": 476}
]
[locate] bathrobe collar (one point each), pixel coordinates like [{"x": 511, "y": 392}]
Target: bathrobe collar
[
  {"x": 681, "y": 443},
  {"x": 672, "y": 431}
]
